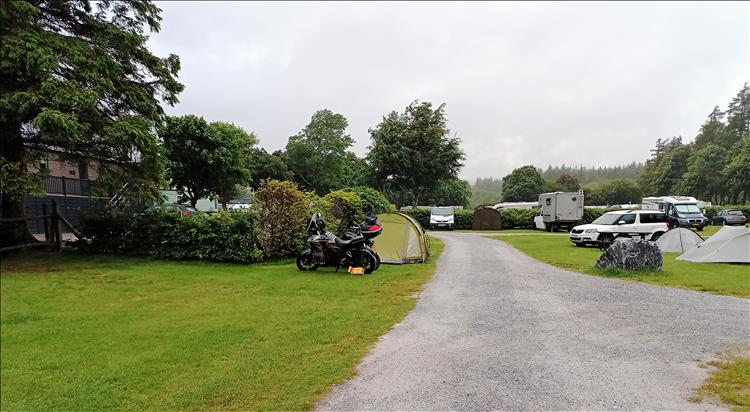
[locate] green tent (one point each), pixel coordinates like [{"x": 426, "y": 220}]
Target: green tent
[{"x": 402, "y": 241}]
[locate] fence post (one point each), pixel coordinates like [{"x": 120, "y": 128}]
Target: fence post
[
  {"x": 56, "y": 225},
  {"x": 65, "y": 194},
  {"x": 46, "y": 224}
]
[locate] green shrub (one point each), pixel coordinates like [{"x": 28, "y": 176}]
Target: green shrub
[
  {"x": 373, "y": 202},
  {"x": 518, "y": 218},
  {"x": 283, "y": 212},
  {"x": 342, "y": 209},
  {"x": 463, "y": 219},
  {"x": 220, "y": 237},
  {"x": 591, "y": 214}
]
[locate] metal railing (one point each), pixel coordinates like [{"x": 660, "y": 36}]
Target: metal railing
[{"x": 61, "y": 185}]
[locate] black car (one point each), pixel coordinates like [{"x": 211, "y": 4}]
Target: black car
[{"x": 730, "y": 217}]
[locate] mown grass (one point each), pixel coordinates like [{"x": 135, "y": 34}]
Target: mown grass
[
  {"x": 718, "y": 278},
  {"x": 729, "y": 383},
  {"x": 103, "y": 333}
]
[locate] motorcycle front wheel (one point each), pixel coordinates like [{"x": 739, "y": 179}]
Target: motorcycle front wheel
[
  {"x": 365, "y": 260},
  {"x": 306, "y": 261}
]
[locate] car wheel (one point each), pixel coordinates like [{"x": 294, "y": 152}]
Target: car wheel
[{"x": 656, "y": 236}]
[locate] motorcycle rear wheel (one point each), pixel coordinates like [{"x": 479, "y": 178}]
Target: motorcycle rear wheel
[
  {"x": 365, "y": 260},
  {"x": 306, "y": 261}
]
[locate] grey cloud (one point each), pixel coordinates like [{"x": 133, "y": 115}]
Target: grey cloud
[{"x": 538, "y": 83}]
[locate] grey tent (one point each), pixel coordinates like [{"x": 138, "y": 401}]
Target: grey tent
[
  {"x": 728, "y": 245},
  {"x": 678, "y": 240}
]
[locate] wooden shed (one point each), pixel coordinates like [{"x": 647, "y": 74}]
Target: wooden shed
[{"x": 487, "y": 218}]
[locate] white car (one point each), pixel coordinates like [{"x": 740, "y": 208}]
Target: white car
[{"x": 650, "y": 224}]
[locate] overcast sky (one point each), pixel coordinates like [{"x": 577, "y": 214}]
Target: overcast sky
[{"x": 524, "y": 83}]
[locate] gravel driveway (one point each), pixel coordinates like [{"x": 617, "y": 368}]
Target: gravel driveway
[{"x": 495, "y": 329}]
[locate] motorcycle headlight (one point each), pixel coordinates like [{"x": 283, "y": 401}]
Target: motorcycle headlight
[{"x": 590, "y": 230}]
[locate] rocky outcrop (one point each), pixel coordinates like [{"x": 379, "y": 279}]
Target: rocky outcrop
[{"x": 631, "y": 254}]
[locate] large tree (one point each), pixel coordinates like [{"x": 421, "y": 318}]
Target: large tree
[
  {"x": 412, "y": 152},
  {"x": 523, "y": 184},
  {"x": 76, "y": 76},
  {"x": 317, "y": 155},
  {"x": 205, "y": 159},
  {"x": 267, "y": 166},
  {"x": 450, "y": 192},
  {"x": 568, "y": 182},
  {"x": 738, "y": 170},
  {"x": 663, "y": 171}
]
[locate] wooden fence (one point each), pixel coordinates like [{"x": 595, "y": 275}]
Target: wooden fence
[{"x": 52, "y": 222}]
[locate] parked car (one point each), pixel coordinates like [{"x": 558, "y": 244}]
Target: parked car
[
  {"x": 184, "y": 210},
  {"x": 650, "y": 224},
  {"x": 730, "y": 217}
]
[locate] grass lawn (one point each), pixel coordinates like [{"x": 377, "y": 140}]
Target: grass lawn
[
  {"x": 729, "y": 383},
  {"x": 101, "y": 333},
  {"x": 719, "y": 278}
]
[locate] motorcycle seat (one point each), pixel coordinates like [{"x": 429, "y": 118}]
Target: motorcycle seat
[{"x": 341, "y": 242}]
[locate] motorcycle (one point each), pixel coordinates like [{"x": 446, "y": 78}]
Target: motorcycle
[{"x": 327, "y": 249}]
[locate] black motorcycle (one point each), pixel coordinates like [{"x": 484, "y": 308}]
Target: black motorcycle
[{"x": 326, "y": 249}]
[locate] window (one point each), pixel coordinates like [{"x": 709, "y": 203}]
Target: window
[
  {"x": 606, "y": 219},
  {"x": 687, "y": 208},
  {"x": 734, "y": 213},
  {"x": 44, "y": 164},
  {"x": 548, "y": 202},
  {"x": 653, "y": 217},
  {"x": 629, "y": 219}
]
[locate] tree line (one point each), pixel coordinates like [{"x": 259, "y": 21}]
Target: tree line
[{"x": 714, "y": 167}]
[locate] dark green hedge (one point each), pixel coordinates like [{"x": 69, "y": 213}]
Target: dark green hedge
[
  {"x": 221, "y": 237},
  {"x": 518, "y": 218}
]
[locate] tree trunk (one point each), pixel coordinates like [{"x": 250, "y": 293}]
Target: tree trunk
[{"x": 13, "y": 205}]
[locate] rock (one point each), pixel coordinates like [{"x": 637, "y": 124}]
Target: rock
[{"x": 631, "y": 254}]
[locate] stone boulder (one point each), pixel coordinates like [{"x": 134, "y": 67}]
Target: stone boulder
[{"x": 631, "y": 254}]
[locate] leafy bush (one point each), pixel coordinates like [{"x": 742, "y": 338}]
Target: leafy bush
[
  {"x": 283, "y": 212},
  {"x": 342, "y": 209},
  {"x": 221, "y": 237},
  {"x": 373, "y": 202},
  {"x": 518, "y": 218},
  {"x": 591, "y": 214},
  {"x": 463, "y": 219}
]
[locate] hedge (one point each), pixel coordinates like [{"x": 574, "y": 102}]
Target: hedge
[
  {"x": 220, "y": 237},
  {"x": 518, "y": 218}
]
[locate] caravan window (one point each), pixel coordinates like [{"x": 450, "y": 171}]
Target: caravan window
[{"x": 548, "y": 202}]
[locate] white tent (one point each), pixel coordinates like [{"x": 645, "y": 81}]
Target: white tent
[
  {"x": 728, "y": 245},
  {"x": 678, "y": 240}
]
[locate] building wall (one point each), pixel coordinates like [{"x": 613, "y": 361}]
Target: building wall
[{"x": 61, "y": 168}]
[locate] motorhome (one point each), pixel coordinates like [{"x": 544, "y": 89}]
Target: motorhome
[
  {"x": 683, "y": 211},
  {"x": 516, "y": 205},
  {"x": 559, "y": 209}
]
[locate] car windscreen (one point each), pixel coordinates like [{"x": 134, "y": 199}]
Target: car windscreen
[
  {"x": 442, "y": 211},
  {"x": 687, "y": 208},
  {"x": 607, "y": 219}
]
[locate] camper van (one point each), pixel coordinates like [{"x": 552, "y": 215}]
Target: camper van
[
  {"x": 682, "y": 211},
  {"x": 559, "y": 209},
  {"x": 442, "y": 217}
]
